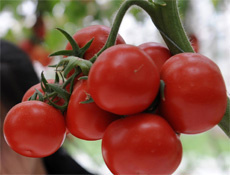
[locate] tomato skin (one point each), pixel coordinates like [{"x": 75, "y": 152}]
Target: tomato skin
[
  {"x": 86, "y": 121},
  {"x": 141, "y": 144},
  {"x": 195, "y": 93},
  {"x": 34, "y": 129},
  {"x": 118, "y": 80},
  {"x": 100, "y": 34},
  {"x": 158, "y": 52}
]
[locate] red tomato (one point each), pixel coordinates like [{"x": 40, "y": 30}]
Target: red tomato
[
  {"x": 158, "y": 52},
  {"x": 34, "y": 129},
  {"x": 195, "y": 93},
  {"x": 141, "y": 144},
  {"x": 31, "y": 90},
  {"x": 86, "y": 121},
  {"x": 124, "y": 80},
  {"x": 100, "y": 34}
]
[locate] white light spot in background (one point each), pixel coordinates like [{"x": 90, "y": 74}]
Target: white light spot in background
[
  {"x": 59, "y": 10},
  {"x": 27, "y": 8},
  {"x": 101, "y": 2},
  {"x": 7, "y": 21}
]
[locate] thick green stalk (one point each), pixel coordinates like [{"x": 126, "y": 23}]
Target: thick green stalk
[{"x": 167, "y": 20}]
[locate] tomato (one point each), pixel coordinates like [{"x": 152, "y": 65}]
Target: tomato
[
  {"x": 86, "y": 121},
  {"x": 195, "y": 93},
  {"x": 32, "y": 89},
  {"x": 141, "y": 144},
  {"x": 100, "y": 34},
  {"x": 124, "y": 80},
  {"x": 34, "y": 129},
  {"x": 158, "y": 52}
]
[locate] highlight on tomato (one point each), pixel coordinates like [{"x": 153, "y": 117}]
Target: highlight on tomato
[
  {"x": 195, "y": 97},
  {"x": 34, "y": 129},
  {"x": 117, "y": 83}
]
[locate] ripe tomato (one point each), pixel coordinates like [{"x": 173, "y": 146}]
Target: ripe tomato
[
  {"x": 100, "y": 34},
  {"x": 195, "y": 93},
  {"x": 34, "y": 129},
  {"x": 158, "y": 52},
  {"x": 31, "y": 90},
  {"x": 124, "y": 80},
  {"x": 86, "y": 121},
  {"x": 141, "y": 144}
]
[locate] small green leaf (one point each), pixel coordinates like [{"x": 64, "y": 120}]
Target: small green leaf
[
  {"x": 160, "y": 2},
  {"x": 72, "y": 42},
  {"x": 83, "y": 78},
  {"x": 85, "y": 48},
  {"x": 44, "y": 82},
  {"x": 224, "y": 123},
  {"x": 62, "y": 52},
  {"x": 56, "y": 80},
  {"x": 61, "y": 108},
  {"x": 90, "y": 100},
  {"x": 72, "y": 62},
  {"x": 61, "y": 92},
  {"x": 34, "y": 96},
  {"x": 162, "y": 88},
  {"x": 40, "y": 95}
]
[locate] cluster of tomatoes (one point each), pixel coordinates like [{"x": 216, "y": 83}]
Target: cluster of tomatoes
[{"x": 143, "y": 98}]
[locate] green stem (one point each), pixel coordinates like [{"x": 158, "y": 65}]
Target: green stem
[
  {"x": 225, "y": 122},
  {"x": 167, "y": 20}
]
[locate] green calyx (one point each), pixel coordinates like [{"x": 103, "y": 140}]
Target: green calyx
[
  {"x": 76, "y": 50},
  {"x": 71, "y": 62}
]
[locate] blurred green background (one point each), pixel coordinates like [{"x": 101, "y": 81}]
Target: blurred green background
[{"x": 207, "y": 20}]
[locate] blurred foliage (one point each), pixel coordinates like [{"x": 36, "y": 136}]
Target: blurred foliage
[{"x": 70, "y": 15}]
